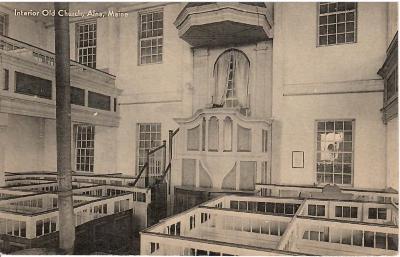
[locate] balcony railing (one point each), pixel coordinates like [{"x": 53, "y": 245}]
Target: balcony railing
[{"x": 39, "y": 55}]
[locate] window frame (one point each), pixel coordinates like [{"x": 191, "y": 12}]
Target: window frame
[
  {"x": 317, "y": 213},
  {"x": 138, "y": 140},
  {"x": 377, "y": 212},
  {"x": 140, "y": 39},
  {"x": 77, "y": 39},
  {"x": 336, "y": 44},
  {"x": 353, "y": 121},
  {"x": 342, "y": 216},
  {"x": 388, "y": 100},
  {"x": 5, "y": 24},
  {"x": 75, "y": 143}
]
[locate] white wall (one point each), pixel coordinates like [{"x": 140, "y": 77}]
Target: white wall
[
  {"x": 152, "y": 93},
  {"x": 32, "y": 146},
  {"x": 23, "y": 144},
  {"x": 305, "y": 62},
  {"x": 105, "y": 149},
  {"x": 143, "y": 81},
  {"x": 296, "y": 131},
  {"x": 127, "y": 132},
  {"x": 25, "y": 29},
  {"x": 392, "y": 21},
  {"x": 298, "y": 63}
]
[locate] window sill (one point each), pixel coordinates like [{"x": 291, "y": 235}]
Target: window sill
[
  {"x": 151, "y": 63},
  {"x": 339, "y": 44}
]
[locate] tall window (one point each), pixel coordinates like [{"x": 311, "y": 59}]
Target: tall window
[
  {"x": 231, "y": 75},
  {"x": 337, "y": 23},
  {"x": 3, "y": 24},
  {"x": 151, "y": 37},
  {"x": 149, "y": 136},
  {"x": 84, "y": 147},
  {"x": 335, "y": 151},
  {"x": 86, "y": 43}
]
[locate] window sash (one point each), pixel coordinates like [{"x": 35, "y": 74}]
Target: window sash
[
  {"x": 3, "y": 24},
  {"x": 148, "y": 137},
  {"x": 336, "y": 25},
  {"x": 151, "y": 31},
  {"x": 84, "y": 147},
  {"x": 86, "y": 35},
  {"x": 334, "y": 151}
]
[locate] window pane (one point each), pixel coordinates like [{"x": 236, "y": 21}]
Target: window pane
[
  {"x": 261, "y": 207},
  {"x": 382, "y": 213},
  {"x": 368, "y": 239},
  {"x": 354, "y": 211},
  {"x": 380, "y": 240},
  {"x": 314, "y": 235},
  {"x": 320, "y": 210},
  {"x": 372, "y": 213},
  {"x": 357, "y": 237},
  {"x": 31, "y": 85},
  {"x": 270, "y": 208},
  {"x": 234, "y": 205},
  {"x": 341, "y": 18},
  {"x": 338, "y": 211},
  {"x": 289, "y": 209},
  {"x": 393, "y": 242},
  {"x": 312, "y": 209},
  {"x": 346, "y": 212},
  {"x": 279, "y": 208},
  {"x": 99, "y": 101},
  {"x": 323, "y": 40}
]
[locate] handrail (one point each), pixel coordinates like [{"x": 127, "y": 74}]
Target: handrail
[
  {"x": 157, "y": 148},
  {"x": 140, "y": 173},
  {"x": 164, "y": 168},
  {"x": 174, "y": 133},
  {"x": 50, "y": 56},
  {"x": 168, "y": 168}
]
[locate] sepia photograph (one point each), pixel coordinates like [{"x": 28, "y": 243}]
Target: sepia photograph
[{"x": 199, "y": 128}]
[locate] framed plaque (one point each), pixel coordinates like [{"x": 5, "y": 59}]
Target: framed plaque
[{"x": 297, "y": 159}]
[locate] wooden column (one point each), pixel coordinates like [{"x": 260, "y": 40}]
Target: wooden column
[
  {"x": 3, "y": 138},
  {"x": 63, "y": 121}
]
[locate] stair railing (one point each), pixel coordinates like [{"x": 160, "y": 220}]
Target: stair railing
[{"x": 155, "y": 170}]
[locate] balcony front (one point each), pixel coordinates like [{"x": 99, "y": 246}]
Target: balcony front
[
  {"x": 27, "y": 86},
  {"x": 221, "y": 23}
]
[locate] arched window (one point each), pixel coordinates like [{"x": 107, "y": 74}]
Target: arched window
[{"x": 231, "y": 75}]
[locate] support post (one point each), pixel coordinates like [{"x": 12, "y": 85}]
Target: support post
[
  {"x": 63, "y": 122},
  {"x": 146, "y": 177},
  {"x": 164, "y": 155},
  {"x": 170, "y": 132}
]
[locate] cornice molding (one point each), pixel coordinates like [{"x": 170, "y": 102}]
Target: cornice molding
[
  {"x": 44, "y": 108},
  {"x": 79, "y": 78},
  {"x": 222, "y": 112},
  {"x": 338, "y": 87}
]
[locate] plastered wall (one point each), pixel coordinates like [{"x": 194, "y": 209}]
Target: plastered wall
[{"x": 299, "y": 63}]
